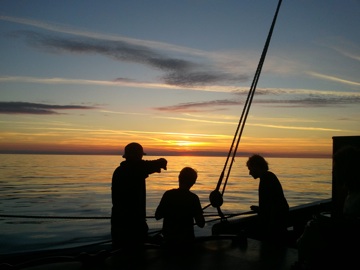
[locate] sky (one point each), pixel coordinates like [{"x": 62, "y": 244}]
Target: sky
[{"x": 89, "y": 77}]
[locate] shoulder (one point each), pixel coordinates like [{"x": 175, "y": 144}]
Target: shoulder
[
  {"x": 119, "y": 168},
  {"x": 123, "y": 164},
  {"x": 271, "y": 176},
  {"x": 174, "y": 190},
  {"x": 193, "y": 196},
  {"x": 170, "y": 192}
]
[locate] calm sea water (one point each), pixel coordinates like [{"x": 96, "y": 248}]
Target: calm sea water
[{"x": 80, "y": 186}]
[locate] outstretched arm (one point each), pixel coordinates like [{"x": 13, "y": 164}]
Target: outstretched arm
[
  {"x": 156, "y": 165},
  {"x": 163, "y": 163}
]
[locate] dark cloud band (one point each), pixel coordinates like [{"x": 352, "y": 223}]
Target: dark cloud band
[
  {"x": 177, "y": 71},
  {"x": 36, "y": 108},
  {"x": 307, "y": 101}
]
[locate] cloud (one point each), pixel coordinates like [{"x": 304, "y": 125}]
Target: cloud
[
  {"x": 284, "y": 98},
  {"x": 334, "y": 78},
  {"x": 311, "y": 101},
  {"x": 303, "y": 98},
  {"x": 177, "y": 71},
  {"x": 36, "y": 108},
  {"x": 94, "y": 35},
  {"x": 118, "y": 82},
  {"x": 188, "y": 78},
  {"x": 299, "y": 128},
  {"x": 197, "y": 106},
  {"x": 342, "y": 46}
]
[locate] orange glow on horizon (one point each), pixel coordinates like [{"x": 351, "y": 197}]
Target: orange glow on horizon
[{"x": 271, "y": 148}]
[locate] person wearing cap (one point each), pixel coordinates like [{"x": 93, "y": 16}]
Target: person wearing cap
[{"x": 128, "y": 191}]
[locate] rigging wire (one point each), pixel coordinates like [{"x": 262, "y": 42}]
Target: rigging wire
[{"x": 216, "y": 197}]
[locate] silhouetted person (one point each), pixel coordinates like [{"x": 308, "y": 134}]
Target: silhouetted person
[
  {"x": 128, "y": 216},
  {"x": 273, "y": 208},
  {"x": 179, "y": 208}
]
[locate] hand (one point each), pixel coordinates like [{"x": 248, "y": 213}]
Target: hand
[{"x": 163, "y": 163}]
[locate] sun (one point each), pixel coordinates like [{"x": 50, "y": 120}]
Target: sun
[{"x": 185, "y": 143}]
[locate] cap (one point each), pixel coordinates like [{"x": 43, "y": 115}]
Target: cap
[{"x": 133, "y": 150}]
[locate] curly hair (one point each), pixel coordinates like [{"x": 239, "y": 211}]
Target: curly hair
[{"x": 257, "y": 161}]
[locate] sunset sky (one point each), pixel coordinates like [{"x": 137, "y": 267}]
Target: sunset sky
[{"x": 92, "y": 76}]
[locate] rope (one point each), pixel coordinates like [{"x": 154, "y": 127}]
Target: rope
[
  {"x": 72, "y": 217},
  {"x": 215, "y": 196},
  {"x": 51, "y": 217}
]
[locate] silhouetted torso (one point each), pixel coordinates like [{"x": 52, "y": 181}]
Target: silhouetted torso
[
  {"x": 128, "y": 218},
  {"x": 178, "y": 207}
]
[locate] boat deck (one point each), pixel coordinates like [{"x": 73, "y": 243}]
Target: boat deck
[{"x": 224, "y": 252}]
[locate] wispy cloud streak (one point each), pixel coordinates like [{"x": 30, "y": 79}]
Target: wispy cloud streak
[
  {"x": 197, "y": 106},
  {"x": 36, "y": 108},
  {"x": 298, "y": 99},
  {"x": 121, "y": 82},
  {"x": 177, "y": 71},
  {"x": 94, "y": 35},
  {"x": 298, "y": 128},
  {"x": 334, "y": 79}
]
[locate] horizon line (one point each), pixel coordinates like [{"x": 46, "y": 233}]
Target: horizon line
[{"x": 167, "y": 153}]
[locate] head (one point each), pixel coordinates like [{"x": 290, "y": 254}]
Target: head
[
  {"x": 187, "y": 177},
  {"x": 257, "y": 165},
  {"x": 133, "y": 151}
]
